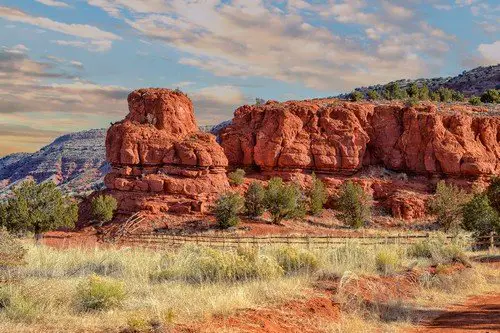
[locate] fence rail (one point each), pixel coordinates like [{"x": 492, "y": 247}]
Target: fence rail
[{"x": 313, "y": 241}]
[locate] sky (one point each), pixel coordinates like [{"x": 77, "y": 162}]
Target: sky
[{"x": 68, "y": 65}]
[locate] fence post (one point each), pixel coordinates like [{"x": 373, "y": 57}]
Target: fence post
[{"x": 492, "y": 241}]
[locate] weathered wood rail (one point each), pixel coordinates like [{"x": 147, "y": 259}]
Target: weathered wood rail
[{"x": 312, "y": 241}]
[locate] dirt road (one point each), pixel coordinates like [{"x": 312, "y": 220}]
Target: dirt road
[{"x": 479, "y": 314}]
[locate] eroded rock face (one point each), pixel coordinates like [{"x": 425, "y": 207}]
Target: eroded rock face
[
  {"x": 160, "y": 160},
  {"x": 330, "y": 135}
]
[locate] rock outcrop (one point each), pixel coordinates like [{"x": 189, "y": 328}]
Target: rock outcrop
[
  {"x": 160, "y": 160},
  {"x": 329, "y": 135}
]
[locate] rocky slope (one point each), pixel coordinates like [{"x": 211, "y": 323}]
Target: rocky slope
[
  {"x": 472, "y": 82},
  {"x": 160, "y": 159},
  {"x": 76, "y": 162}
]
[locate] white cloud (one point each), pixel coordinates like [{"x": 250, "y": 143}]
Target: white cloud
[
  {"x": 256, "y": 38},
  {"x": 490, "y": 52},
  {"x": 93, "y": 45},
  {"x": 53, "y": 3},
  {"x": 93, "y": 34},
  {"x": 183, "y": 84}
]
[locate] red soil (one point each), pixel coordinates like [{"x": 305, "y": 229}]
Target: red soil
[{"x": 477, "y": 314}]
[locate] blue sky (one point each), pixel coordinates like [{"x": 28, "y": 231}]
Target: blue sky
[{"x": 67, "y": 65}]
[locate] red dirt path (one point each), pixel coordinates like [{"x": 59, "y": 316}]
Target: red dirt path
[{"x": 477, "y": 314}]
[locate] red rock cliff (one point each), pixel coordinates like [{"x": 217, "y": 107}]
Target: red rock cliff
[
  {"x": 331, "y": 135},
  {"x": 160, "y": 161}
]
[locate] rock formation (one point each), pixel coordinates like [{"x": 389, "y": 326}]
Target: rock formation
[
  {"x": 160, "y": 160},
  {"x": 333, "y": 136}
]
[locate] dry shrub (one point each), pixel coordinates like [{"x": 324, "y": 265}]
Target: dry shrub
[
  {"x": 294, "y": 260},
  {"x": 200, "y": 264}
]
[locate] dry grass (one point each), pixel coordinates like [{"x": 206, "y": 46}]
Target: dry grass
[{"x": 46, "y": 298}]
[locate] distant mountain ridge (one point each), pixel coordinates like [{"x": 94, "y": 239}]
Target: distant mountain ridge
[
  {"x": 473, "y": 82},
  {"x": 76, "y": 162}
]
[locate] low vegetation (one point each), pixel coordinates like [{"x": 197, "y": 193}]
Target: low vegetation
[
  {"x": 103, "y": 208},
  {"x": 354, "y": 205},
  {"x": 283, "y": 201},
  {"x": 254, "y": 199},
  {"x": 447, "y": 205},
  {"x": 131, "y": 288},
  {"x": 318, "y": 195},
  {"x": 236, "y": 177},
  {"x": 37, "y": 208},
  {"x": 227, "y": 208}
]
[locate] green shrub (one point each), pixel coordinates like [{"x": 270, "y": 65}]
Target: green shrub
[
  {"x": 423, "y": 93},
  {"x": 21, "y": 308},
  {"x": 98, "y": 293},
  {"x": 447, "y": 204},
  {"x": 294, "y": 260},
  {"x": 394, "y": 91},
  {"x": 373, "y": 95},
  {"x": 412, "y": 90},
  {"x": 354, "y": 204},
  {"x": 441, "y": 250},
  {"x": 283, "y": 201},
  {"x": 413, "y": 101},
  {"x": 227, "y": 208},
  {"x": 445, "y": 94},
  {"x": 387, "y": 262},
  {"x": 475, "y": 100},
  {"x": 103, "y": 208},
  {"x": 254, "y": 199},
  {"x": 491, "y": 96},
  {"x": 493, "y": 193},
  {"x": 236, "y": 177},
  {"x": 317, "y": 195},
  {"x": 479, "y": 217},
  {"x": 356, "y": 96},
  {"x": 200, "y": 264},
  {"x": 457, "y": 96},
  {"x": 38, "y": 208}
]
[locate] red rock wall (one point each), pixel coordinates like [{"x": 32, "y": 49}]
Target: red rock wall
[
  {"x": 160, "y": 161},
  {"x": 330, "y": 135}
]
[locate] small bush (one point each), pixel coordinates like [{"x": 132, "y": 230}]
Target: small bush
[
  {"x": 254, "y": 199},
  {"x": 441, "y": 250},
  {"x": 373, "y": 95},
  {"x": 354, "y": 204},
  {"x": 356, "y": 96},
  {"x": 387, "y": 262},
  {"x": 475, "y": 100},
  {"x": 227, "y": 208},
  {"x": 479, "y": 217},
  {"x": 447, "y": 204},
  {"x": 236, "y": 177},
  {"x": 491, "y": 96},
  {"x": 97, "y": 293},
  {"x": 283, "y": 201},
  {"x": 493, "y": 193},
  {"x": 410, "y": 102},
  {"x": 103, "y": 208},
  {"x": 317, "y": 195},
  {"x": 293, "y": 260}
]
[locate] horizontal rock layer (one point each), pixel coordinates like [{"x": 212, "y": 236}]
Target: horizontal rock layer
[{"x": 330, "y": 135}]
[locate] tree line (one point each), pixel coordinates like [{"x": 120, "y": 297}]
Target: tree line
[{"x": 415, "y": 93}]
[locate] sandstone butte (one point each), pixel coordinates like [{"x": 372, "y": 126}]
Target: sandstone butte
[{"x": 162, "y": 163}]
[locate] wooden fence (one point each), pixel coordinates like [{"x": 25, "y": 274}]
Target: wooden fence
[{"x": 313, "y": 241}]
